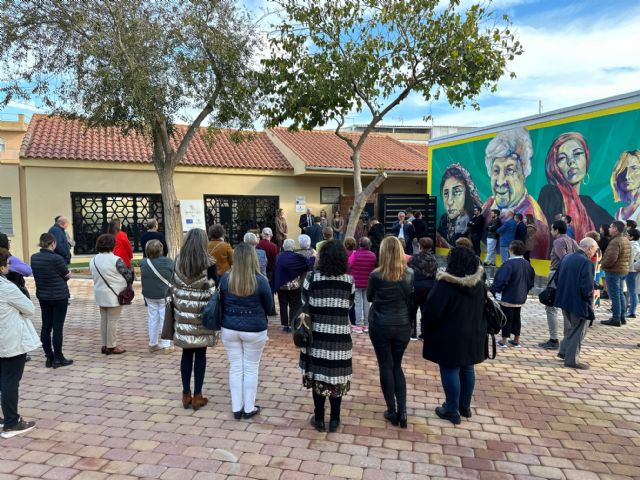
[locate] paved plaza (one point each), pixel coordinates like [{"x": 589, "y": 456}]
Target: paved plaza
[{"x": 120, "y": 417}]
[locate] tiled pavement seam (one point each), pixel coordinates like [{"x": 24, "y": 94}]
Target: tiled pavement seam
[{"x": 120, "y": 417}]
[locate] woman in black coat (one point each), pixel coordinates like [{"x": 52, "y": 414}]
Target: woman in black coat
[
  {"x": 51, "y": 275},
  {"x": 455, "y": 307}
]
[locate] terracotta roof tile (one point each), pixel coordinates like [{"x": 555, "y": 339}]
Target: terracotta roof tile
[
  {"x": 324, "y": 149},
  {"x": 51, "y": 137}
]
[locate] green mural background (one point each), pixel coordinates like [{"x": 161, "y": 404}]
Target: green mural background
[{"x": 608, "y": 133}]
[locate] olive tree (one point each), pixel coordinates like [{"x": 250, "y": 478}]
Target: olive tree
[
  {"x": 141, "y": 65},
  {"x": 330, "y": 58}
]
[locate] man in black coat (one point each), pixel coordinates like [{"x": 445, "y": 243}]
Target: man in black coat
[
  {"x": 404, "y": 229},
  {"x": 314, "y": 232},
  {"x": 521, "y": 228},
  {"x": 306, "y": 220},
  {"x": 476, "y": 229},
  {"x": 152, "y": 233},
  {"x": 58, "y": 231}
]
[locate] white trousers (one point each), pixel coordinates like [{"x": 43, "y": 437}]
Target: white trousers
[
  {"x": 244, "y": 350},
  {"x": 155, "y": 313}
]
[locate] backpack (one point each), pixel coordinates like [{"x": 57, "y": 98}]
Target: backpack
[{"x": 495, "y": 318}]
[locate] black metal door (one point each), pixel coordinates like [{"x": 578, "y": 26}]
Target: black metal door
[
  {"x": 241, "y": 213},
  {"x": 392, "y": 203}
]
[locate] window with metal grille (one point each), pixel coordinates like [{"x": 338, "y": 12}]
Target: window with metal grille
[
  {"x": 92, "y": 213},
  {"x": 6, "y": 216}
]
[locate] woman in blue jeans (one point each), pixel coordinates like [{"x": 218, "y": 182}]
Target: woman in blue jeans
[
  {"x": 455, "y": 331},
  {"x": 632, "y": 276},
  {"x": 390, "y": 291}
]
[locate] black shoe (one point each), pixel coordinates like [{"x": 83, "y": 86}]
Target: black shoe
[
  {"x": 333, "y": 424},
  {"x": 62, "y": 362},
  {"x": 255, "y": 412},
  {"x": 402, "y": 420},
  {"x": 465, "y": 412},
  {"x": 633, "y": 315},
  {"x": 21, "y": 427},
  {"x": 391, "y": 417},
  {"x": 237, "y": 415},
  {"x": 453, "y": 418},
  {"x": 611, "y": 322},
  {"x": 550, "y": 345},
  {"x": 317, "y": 424},
  {"x": 579, "y": 366},
  {"x": 560, "y": 356},
  {"x": 27, "y": 358},
  {"x": 49, "y": 361},
  {"x": 623, "y": 321},
  {"x": 421, "y": 337}
]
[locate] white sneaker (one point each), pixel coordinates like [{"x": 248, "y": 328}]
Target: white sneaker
[{"x": 21, "y": 427}]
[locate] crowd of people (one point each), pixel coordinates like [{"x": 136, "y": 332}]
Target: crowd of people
[{"x": 372, "y": 285}]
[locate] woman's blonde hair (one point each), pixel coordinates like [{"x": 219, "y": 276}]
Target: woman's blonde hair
[
  {"x": 242, "y": 278},
  {"x": 393, "y": 263}
]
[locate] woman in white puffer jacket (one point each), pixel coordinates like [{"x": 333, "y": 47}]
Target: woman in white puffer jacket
[{"x": 17, "y": 337}]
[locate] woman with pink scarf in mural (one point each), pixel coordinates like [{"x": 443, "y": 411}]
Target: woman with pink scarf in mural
[{"x": 567, "y": 168}]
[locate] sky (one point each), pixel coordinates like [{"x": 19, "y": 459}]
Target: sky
[{"x": 575, "y": 51}]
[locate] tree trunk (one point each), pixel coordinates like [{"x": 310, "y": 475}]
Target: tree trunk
[
  {"x": 172, "y": 218},
  {"x": 360, "y": 195}
]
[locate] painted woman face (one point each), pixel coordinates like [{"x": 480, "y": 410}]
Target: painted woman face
[
  {"x": 453, "y": 196},
  {"x": 572, "y": 161},
  {"x": 630, "y": 180}
]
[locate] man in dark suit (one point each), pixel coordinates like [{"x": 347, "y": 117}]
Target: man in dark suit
[
  {"x": 314, "y": 232},
  {"x": 404, "y": 229},
  {"x": 306, "y": 220}
]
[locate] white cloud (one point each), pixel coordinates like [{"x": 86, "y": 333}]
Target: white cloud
[
  {"x": 564, "y": 64},
  {"x": 31, "y": 107}
]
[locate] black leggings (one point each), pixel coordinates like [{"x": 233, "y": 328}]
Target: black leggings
[
  {"x": 193, "y": 359},
  {"x": 389, "y": 343},
  {"x": 513, "y": 325},
  {"x": 318, "y": 402}
]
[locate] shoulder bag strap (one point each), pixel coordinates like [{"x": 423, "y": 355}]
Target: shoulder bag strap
[
  {"x": 157, "y": 274},
  {"x": 103, "y": 279}
]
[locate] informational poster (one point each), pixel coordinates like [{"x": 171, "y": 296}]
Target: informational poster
[
  {"x": 300, "y": 204},
  {"x": 584, "y": 166},
  {"x": 192, "y": 213}
]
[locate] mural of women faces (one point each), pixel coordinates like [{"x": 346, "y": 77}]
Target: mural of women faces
[
  {"x": 629, "y": 179},
  {"x": 453, "y": 196},
  {"x": 572, "y": 161},
  {"x": 507, "y": 181}
]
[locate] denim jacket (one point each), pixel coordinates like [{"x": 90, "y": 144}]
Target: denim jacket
[{"x": 246, "y": 314}]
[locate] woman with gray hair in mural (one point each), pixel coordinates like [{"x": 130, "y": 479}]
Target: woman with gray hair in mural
[{"x": 508, "y": 162}]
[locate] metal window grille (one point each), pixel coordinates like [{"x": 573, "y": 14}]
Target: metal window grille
[{"x": 93, "y": 211}]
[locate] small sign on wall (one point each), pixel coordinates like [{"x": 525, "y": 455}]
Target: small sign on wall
[
  {"x": 192, "y": 213},
  {"x": 300, "y": 204}
]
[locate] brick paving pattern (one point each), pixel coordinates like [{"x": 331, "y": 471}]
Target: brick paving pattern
[{"x": 120, "y": 417}]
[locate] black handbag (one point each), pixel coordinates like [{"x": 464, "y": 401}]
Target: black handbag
[
  {"x": 302, "y": 325},
  {"x": 548, "y": 295},
  {"x": 212, "y": 313},
  {"x": 495, "y": 318}
]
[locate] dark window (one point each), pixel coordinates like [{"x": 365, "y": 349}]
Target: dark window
[
  {"x": 241, "y": 213},
  {"x": 93, "y": 211}
]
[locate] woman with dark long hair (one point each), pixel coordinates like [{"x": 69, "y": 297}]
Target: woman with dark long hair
[
  {"x": 567, "y": 169},
  {"x": 455, "y": 307},
  {"x": 327, "y": 295},
  {"x": 192, "y": 285}
]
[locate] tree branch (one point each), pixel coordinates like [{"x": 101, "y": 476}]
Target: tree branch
[
  {"x": 374, "y": 184},
  {"x": 342, "y": 136},
  {"x": 366, "y": 100}
]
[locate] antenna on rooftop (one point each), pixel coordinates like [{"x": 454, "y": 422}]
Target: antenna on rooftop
[{"x": 539, "y": 106}]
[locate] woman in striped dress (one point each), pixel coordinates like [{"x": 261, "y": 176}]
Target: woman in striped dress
[{"x": 327, "y": 296}]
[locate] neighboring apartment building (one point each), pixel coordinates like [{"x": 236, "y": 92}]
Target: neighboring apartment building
[
  {"x": 411, "y": 133},
  {"x": 92, "y": 175}
]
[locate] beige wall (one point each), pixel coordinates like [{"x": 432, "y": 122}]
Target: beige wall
[
  {"x": 49, "y": 188},
  {"x": 10, "y": 187}
]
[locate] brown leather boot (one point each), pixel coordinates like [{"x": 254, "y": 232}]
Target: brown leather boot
[
  {"x": 186, "y": 400},
  {"x": 199, "y": 401}
]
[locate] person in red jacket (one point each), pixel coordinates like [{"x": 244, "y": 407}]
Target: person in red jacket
[
  {"x": 123, "y": 245},
  {"x": 361, "y": 264}
]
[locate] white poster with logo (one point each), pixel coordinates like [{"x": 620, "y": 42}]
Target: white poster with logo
[
  {"x": 192, "y": 213},
  {"x": 300, "y": 204}
]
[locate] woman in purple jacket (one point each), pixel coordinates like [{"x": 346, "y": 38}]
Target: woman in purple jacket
[{"x": 361, "y": 264}]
